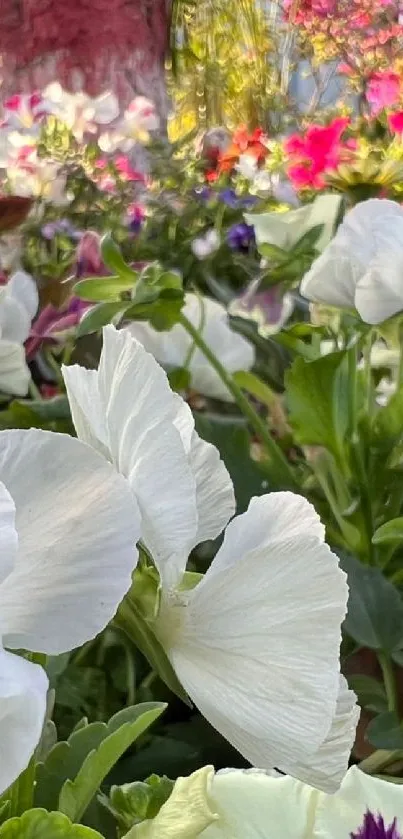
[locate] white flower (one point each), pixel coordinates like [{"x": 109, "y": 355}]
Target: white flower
[
  {"x": 205, "y": 246},
  {"x": 362, "y": 267},
  {"x": 128, "y": 412},
  {"x": 18, "y": 305},
  {"x": 256, "y": 642},
  {"x": 79, "y": 111},
  {"x": 247, "y": 166},
  {"x": 243, "y": 805},
  {"x": 68, "y": 529},
  {"x": 138, "y": 120},
  {"x": 284, "y": 229},
  {"x": 175, "y": 348}
]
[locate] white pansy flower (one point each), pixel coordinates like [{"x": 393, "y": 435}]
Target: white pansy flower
[
  {"x": 205, "y": 246},
  {"x": 18, "y": 305},
  {"x": 362, "y": 267},
  {"x": 127, "y": 410},
  {"x": 284, "y": 229},
  {"x": 256, "y": 642},
  {"x": 138, "y": 120},
  {"x": 175, "y": 348},
  {"x": 241, "y": 805},
  {"x": 68, "y": 529}
]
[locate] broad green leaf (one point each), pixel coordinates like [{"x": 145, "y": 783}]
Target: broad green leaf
[
  {"x": 113, "y": 260},
  {"x": 39, "y": 824},
  {"x": 385, "y": 732},
  {"x": 233, "y": 442},
  {"x": 76, "y": 795},
  {"x": 56, "y": 408},
  {"x": 272, "y": 252},
  {"x": 309, "y": 239},
  {"x": 252, "y": 384},
  {"x": 375, "y": 608},
  {"x": 318, "y": 401},
  {"x": 370, "y": 693},
  {"x": 99, "y": 316},
  {"x": 179, "y": 379},
  {"x": 390, "y": 532},
  {"x": 103, "y": 289}
]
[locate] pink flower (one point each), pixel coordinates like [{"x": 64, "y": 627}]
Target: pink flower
[
  {"x": 52, "y": 322},
  {"x": 88, "y": 258},
  {"x": 317, "y": 151},
  {"x": 395, "y": 122},
  {"x": 383, "y": 90}
]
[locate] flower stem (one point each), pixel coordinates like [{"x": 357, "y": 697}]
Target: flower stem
[
  {"x": 389, "y": 680},
  {"x": 260, "y": 428}
]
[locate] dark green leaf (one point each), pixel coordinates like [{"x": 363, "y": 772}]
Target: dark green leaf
[
  {"x": 113, "y": 260},
  {"x": 375, "y": 608},
  {"x": 390, "y": 532},
  {"x": 370, "y": 693},
  {"x": 98, "y": 316},
  {"x": 385, "y": 732}
]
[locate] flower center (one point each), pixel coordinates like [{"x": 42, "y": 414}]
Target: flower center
[{"x": 374, "y": 827}]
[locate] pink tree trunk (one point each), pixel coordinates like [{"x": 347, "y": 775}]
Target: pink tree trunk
[{"x": 93, "y": 45}]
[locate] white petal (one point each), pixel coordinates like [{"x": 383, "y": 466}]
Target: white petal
[
  {"x": 131, "y": 407},
  {"x": 331, "y": 279},
  {"x": 77, "y": 525},
  {"x": 86, "y": 407},
  {"x": 148, "y": 449},
  {"x": 14, "y": 372},
  {"x": 22, "y": 287},
  {"x": 328, "y": 766},
  {"x": 215, "y": 495},
  {"x": 379, "y": 293},
  {"x": 106, "y": 108},
  {"x": 342, "y": 814},
  {"x": 257, "y": 646},
  {"x": 8, "y": 533},
  {"x": 256, "y": 806},
  {"x": 23, "y": 688}
]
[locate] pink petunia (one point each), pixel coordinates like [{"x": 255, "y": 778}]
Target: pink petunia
[{"x": 317, "y": 151}]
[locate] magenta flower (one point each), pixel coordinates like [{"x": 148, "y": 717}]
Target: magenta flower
[
  {"x": 383, "y": 90},
  {"x": 395, "y": 122},
  {"x": 52, "y": 323},
  {"x": 317, "y": 151}
]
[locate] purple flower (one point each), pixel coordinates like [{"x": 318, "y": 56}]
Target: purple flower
[
  {"x": 240, "y": 237},
  {"x": 270, "y": 308},
  {"x": 236, "y": 202},
  {"x": 203, "y": 192},
  {"x": 53, "y": 321},
  {"x": 50, "y": 230},
  {"x": 374, "y": 828}
]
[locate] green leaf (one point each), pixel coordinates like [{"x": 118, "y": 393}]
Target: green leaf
[
  {"x": 252, "y": 384},
  {"x": 124, "y": 728},
  {"x": 274, "y": 253},
  {"x": 56, "y": 408},
  {"x": 99, "y": 316},
  {"x": 309, "y": 239},
  {"x": 66, "y": 757},
  {"x": 375, "y": 608},
  {"x": 318, "y": 401},
  {"x": 113, "y": 260},
  {"x": 233, "y": 442},
  {"x": 385, "y": 732},
  {"x": 39, "y": 824},
  {"x": 103, "y": 288},
  {"x": 390, "y": 532},
  {"x": 370, "y": 693},
  {"x": 387, "y": 426}
]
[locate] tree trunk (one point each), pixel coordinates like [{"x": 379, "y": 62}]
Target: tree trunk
[{"x": 94, "y": 45}]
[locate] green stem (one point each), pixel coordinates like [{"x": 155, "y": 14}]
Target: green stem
[
  {"x": 389, "y": 681},
  {"x": 379, "y": 760},
  {"x": 357, "y": 455},
  {"x": 259, "y": 426},
  {"x": 55, "y": 367}
]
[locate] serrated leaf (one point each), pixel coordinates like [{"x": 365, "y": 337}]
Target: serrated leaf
[
  {"x": 124, "y": 728},
  {"x": 375, "y": 608},
  {"x": 102, "y": 289},
  {"x": 390, "y": 532},
  {"x": 99, "y": 316},
  {"x": 39, "y": 824},
  {"x": 113, "y": 260}
]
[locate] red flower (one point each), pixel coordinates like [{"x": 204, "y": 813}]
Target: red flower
[
  {"x": 317, "y": 151},
  {"x": 395, "y": 122}
]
